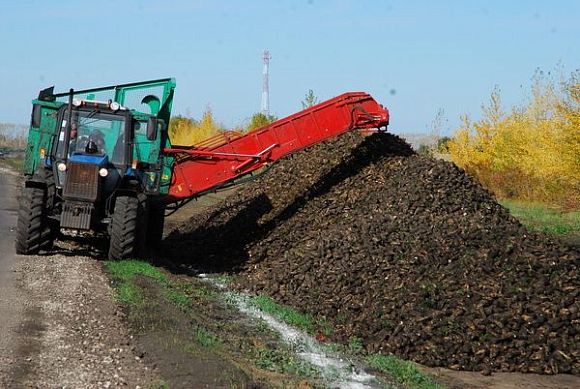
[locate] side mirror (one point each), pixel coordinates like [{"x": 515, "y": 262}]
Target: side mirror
[{"x": 152, "y": 128}]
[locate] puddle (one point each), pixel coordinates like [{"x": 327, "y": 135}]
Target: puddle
[{"x": 335, "y": 370}]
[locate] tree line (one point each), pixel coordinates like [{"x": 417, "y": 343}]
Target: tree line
[{"x": 531, "y": 151}]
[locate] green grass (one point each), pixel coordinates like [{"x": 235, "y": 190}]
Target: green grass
[
  {"x": 160, "y": 384},
  {"x": 283, "y": 361},
  {"x": 182, "y": 291},
  {"x": 286, "y": 314},
  {"x": 203, "y": 293},
  {"x": 355, "y": 344},
  {"x": 206, "y": 338},
  {"x": 403, "y": 372},
  {"x": 225, "y": 279},
  {"x": 123, "y": 274},
  {"x": 130, "y": 294},
  {"x": 178, "y": 298},
  {"x": 543, "y": 218},
  {"x": 16, "y": 163},
  {"x": 291, "y": 316},
  {"x": 126, "y": 270}
]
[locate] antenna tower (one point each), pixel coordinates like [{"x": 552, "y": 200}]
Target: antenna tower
[{"x": 265, "y": 85}]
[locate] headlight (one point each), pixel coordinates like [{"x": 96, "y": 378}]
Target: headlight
[
  {"x": 115, "y": 106},
  {"x": 103, "y": 172},
  {"x": 61, "y": 167}
]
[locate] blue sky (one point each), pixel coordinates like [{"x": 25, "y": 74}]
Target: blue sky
[{"x": 415, "y": 57}]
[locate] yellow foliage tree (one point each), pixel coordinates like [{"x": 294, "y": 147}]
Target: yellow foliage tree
[
  {"x": 184, "y": 131},
  {"x": 531, "y": 153}
]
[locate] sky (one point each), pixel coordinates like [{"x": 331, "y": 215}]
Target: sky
[{"x": 414, "y": 57}]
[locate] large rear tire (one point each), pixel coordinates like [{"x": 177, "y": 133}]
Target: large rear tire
[
  {"x": 127, "y": 226},
  {"x": 33, "y": 232}
]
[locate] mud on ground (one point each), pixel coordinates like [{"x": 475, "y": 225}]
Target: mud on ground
[
  {"x": 195, "y": 337},
  {"x": 166, "y": 336}
]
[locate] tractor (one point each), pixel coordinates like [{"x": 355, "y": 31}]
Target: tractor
[{"x": 100, "y": 161}]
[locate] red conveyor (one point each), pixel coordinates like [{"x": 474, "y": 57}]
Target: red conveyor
[{"x": 228, "y": 156}]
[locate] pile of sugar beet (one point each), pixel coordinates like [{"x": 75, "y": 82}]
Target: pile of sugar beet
[{"x": 407, "y": 253}]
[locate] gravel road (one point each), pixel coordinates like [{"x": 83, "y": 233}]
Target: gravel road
[
  {"x": 10, "y": 312},
  {"x": 59, "y": 323}
]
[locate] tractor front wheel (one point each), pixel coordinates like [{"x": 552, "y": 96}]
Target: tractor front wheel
[
  {"x": 33, "y": 232},
  {"x": 127, "y": 224}
]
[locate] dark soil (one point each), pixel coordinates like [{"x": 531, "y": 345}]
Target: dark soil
[
  {"x": 406, "y": 252},
  {"x": 165, "y": 338},
  {"x": 207, "y": 343}
]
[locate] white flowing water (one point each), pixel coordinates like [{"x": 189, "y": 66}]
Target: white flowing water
[{"x": 336, "y": 371}]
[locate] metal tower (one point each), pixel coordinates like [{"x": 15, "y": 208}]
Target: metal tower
[{"x": 265, "y": 86}]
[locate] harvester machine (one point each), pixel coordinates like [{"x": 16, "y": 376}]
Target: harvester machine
[{"x": 101, "y": 160}]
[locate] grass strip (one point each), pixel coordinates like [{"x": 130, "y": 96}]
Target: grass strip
[
  {"x": 283, "y": 361},
  {"x": 16, "y": 163},
  {"x": 543, "y": 218},
  {"x": 124, "y": 273},
  {"x": 206, "y": 338},
  {"x": 126, "y": 270},
  {"x": 286, "y": 314},
  {"x": 403, "y": 372}
]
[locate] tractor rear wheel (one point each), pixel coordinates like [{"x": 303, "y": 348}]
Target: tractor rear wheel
[
  {"x": 127, "y": 224},
  {"x": 33, "y": 232}
]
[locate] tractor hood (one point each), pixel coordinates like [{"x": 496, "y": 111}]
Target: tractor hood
[{"x": 99, "y": 160}]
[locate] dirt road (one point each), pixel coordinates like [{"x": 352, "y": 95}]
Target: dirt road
[
  {"x": 59, "y": 324},
  {"x": 10, "y": 312}
]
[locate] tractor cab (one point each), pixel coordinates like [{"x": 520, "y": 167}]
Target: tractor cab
[{"x": 103, "y": 133}]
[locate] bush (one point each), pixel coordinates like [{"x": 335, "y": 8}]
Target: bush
[{"x": 259, "y": 120}]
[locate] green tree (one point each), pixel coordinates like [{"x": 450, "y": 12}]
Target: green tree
[
  {"x": 259, "y": 120},
  {"x": 309, "y": 100},
  {"x": 425, "y": 149},
  {"x": 442, "y": 144}
]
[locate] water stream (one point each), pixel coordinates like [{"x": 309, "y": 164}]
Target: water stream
[{"x": 335, "y": 370}]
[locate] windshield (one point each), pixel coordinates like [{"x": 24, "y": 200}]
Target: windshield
[{"x": 94, "y": 132}]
